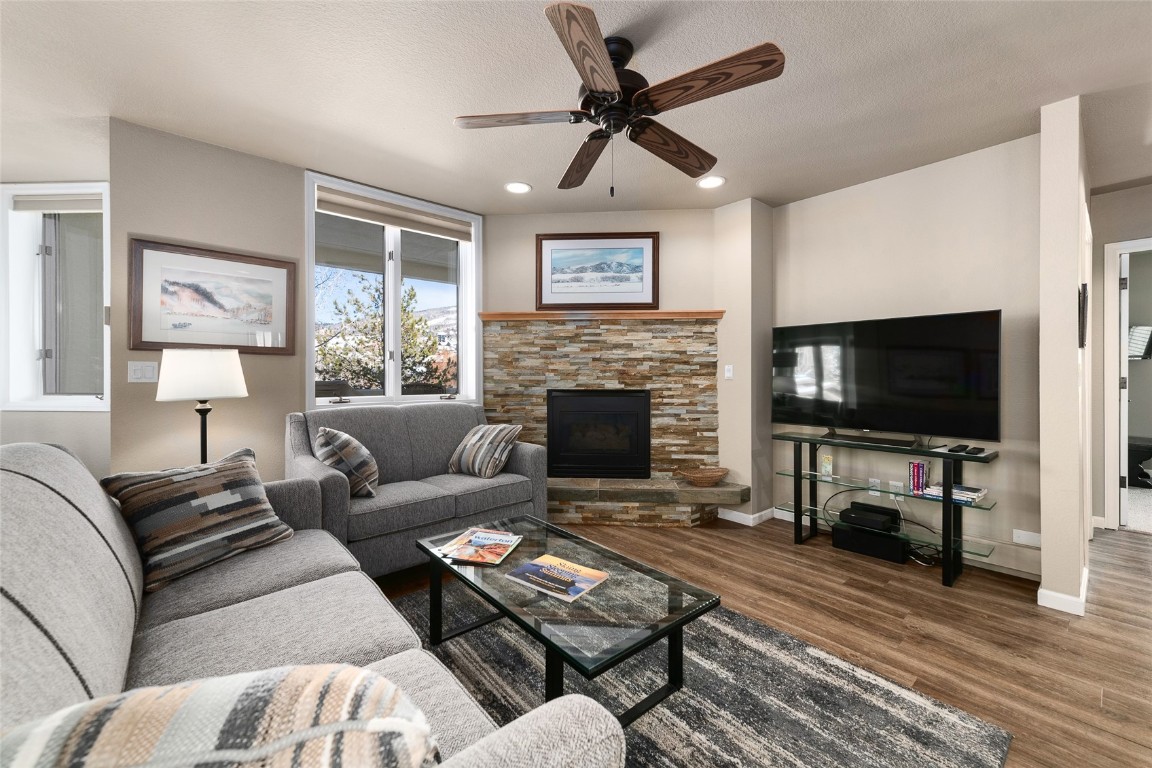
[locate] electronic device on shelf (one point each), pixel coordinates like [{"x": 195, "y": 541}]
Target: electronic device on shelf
[
  {"x": 926, "y": 375},
  {"x": 974, "y": 451},
  {"x": 877, "y": 518},
  {"x": 958, "y": 448}
]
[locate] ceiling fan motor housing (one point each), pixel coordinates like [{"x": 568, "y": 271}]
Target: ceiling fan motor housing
[{"x": 614, "y": 117}]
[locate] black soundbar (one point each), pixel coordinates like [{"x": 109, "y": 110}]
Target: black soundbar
[{"x": 872, "y": 543}]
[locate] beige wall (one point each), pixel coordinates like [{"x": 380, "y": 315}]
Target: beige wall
[
  {"x": 509, "y": 267},
  {"x": 958, "y": 235},
  {"x": 85, "y": 434},
  {"x": 742, "y": 285},
  {"x": 1063, "y": 443},
  {"x": 172, "y": 189}
]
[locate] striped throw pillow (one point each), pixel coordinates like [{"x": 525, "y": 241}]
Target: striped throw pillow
[
  {"x": 347, "y": 454},
  {"x": 329, "y": 714},
  {"x": 484, "y": 450},
  {"x": 184, "y": 519}
]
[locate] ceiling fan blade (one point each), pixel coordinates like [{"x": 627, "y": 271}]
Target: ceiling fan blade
[
  {"x": 585, "y": 158},
  {"x": 671, "y": 147},
  {"x": 755, "y": 65},
  {"x": 579, "y": 33},
  {"x": 521, "y": 118}
]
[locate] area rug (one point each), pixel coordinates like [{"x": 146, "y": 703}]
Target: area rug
[{"x": 752, "y": 696}]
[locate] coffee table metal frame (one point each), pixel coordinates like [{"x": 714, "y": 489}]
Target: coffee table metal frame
[{"x": 557, "y": 657}]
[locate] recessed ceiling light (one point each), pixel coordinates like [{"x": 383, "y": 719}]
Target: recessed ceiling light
[
  {"x": 711, "y": 182},
  {"x": 518, "y": 187}
]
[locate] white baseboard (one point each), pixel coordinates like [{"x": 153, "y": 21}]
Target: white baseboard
[
  {"x": 743, "y": 518},
  {"x": 1062, "y": 602}
]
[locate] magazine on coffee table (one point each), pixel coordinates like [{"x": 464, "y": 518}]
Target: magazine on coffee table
[
  {"x": 480, "y": 546},
  {"x": 559, "y": 578}
]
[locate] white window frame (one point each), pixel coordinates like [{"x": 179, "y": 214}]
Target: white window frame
[
  {"x": 469, "y": 346},
  {"x": 31, "y": 397}
]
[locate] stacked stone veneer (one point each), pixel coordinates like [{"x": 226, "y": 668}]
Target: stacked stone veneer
[{"x": 675, "y": 359}]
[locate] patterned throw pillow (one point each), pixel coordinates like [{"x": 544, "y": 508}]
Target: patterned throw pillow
[
  {"x": 347, "y": 454},
  {"x": 327, "y": 714},
  {"x": 484, "y": 450},
  {"x": 184, "y": 519}
]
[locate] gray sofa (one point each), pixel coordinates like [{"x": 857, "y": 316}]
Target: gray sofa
[
  {"x": 75, "y": 623},
  {"x": 416, "y": 497}
]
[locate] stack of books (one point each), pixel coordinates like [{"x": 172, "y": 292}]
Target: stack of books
[
  {"x": 919, "y": 473},
  {"x": 961, "y": 494}
]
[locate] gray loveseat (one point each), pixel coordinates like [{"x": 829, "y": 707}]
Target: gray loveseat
[
  {"x": 75, "y": 623},
  {"x": 416, "y": 497}
]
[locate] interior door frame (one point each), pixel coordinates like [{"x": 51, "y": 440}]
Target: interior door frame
[{"x": 1115, "y": 449}]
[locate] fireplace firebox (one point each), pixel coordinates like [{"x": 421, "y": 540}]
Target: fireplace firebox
[{"x": 599, "y": 433}]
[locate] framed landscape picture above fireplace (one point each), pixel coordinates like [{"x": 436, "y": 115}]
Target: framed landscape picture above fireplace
[{"x": 617, "y": 270}]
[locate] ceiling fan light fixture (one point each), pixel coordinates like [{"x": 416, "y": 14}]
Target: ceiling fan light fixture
[
  {"x": 518, "y": 187},
  {"x": 711, "y": 182}
]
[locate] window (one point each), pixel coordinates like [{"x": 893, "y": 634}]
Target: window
[
  {"x": 55, "y": 263},
  {"x": 394, "y": 296}
]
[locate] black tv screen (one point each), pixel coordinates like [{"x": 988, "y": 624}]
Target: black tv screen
[{"x": 933, "y": 375}]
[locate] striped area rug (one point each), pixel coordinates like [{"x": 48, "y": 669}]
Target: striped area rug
[{"x": 753, "y": 696}]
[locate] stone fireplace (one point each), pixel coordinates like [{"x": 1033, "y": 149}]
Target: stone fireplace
[
  {"x": 599, "y": 433},
  {"x": 669, "y": 355}
]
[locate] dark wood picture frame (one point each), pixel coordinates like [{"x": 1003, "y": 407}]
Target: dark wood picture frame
[
  {"x": 647, "y": 242},
  {"x": 248, "y": 274}
]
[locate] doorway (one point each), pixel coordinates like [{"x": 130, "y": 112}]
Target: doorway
[{"x": 1128, "y": 407}]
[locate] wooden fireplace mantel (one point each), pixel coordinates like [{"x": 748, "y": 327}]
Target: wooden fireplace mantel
[{"x": 609, "y": 314}]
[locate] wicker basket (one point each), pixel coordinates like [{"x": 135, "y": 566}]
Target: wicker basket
[{"x": 703, "y": 477}]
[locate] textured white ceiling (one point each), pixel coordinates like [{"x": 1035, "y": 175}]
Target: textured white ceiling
[{"x": 368, "y": 91}]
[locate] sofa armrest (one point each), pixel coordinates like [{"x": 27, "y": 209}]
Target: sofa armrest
[
  {"x": 296, "y": 502},
  {"x": 569, "y": 732},
  {"x": 531, "y": 460},
  {"x": 300, "y": 462}
]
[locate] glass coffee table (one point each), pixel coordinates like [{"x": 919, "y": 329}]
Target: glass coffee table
[{"x": 636, "y": 606}]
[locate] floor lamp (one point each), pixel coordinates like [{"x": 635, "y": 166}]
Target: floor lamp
[{"x": 200, "y": 375}]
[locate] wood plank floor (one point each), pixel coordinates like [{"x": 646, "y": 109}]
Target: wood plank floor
[{"x": 1073, "y": 691}]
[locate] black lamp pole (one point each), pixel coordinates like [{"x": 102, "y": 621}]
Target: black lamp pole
[{"x": 203, "y": 408}]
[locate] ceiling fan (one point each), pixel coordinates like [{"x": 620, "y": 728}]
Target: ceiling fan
[{"x": 617, "y": 99}]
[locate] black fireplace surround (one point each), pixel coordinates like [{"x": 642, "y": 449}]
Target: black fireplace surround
[{"x": 599, "y": 433}]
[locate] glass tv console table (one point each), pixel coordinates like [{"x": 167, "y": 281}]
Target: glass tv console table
[{"x": 951, "y": 539}]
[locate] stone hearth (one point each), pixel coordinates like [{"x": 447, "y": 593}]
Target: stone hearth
[{"x": 658, "y": 503}]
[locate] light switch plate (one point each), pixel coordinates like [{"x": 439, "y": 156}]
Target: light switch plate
[
  {"x": 140, "y": 372},
  {"x": 728, "y": 372}
]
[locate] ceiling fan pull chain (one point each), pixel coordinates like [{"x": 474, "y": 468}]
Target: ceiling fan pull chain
[{"x": 612, "y": 183}]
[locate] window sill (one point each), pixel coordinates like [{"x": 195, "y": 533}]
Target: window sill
[
  {"x": 325, "y": 402},
  {"x": 62, "y": 404}
]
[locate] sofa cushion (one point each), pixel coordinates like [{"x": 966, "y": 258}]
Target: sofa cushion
[
  {"x": 379, "y": 428},
  {"x": 341, "y": 619},
  {"x": 484, "y": 450},
  {"x": 456, "y": 719},
  {"x": 398, "y": 507},
  {"x": 307, "y": 556},
  {"x": 347, "y": 454},
  {"x": 435, "y": 431},
  {"x": 189, "y": 517},
  {"x": 474, "y": 494},
  {"x": 326, "y": 714},
  {"x": 71, "y": 580}
]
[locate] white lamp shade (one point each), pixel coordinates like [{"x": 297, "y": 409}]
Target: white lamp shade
[{"x": 200, "y": 374}]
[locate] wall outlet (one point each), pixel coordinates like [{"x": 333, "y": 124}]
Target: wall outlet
[
  {"x": 728, "y": 372},
  {"x": 1027, "y": 538},
  {"x": 895, "y": 485},
  {"x": 874, "y": 483}
]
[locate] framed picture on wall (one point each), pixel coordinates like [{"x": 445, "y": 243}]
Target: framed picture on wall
[
  {"x": 182, "y": 296},
  {"x": 618, "y": 270}
]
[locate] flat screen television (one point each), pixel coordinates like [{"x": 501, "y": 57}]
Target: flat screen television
[{"x": 932, "y": 375}]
